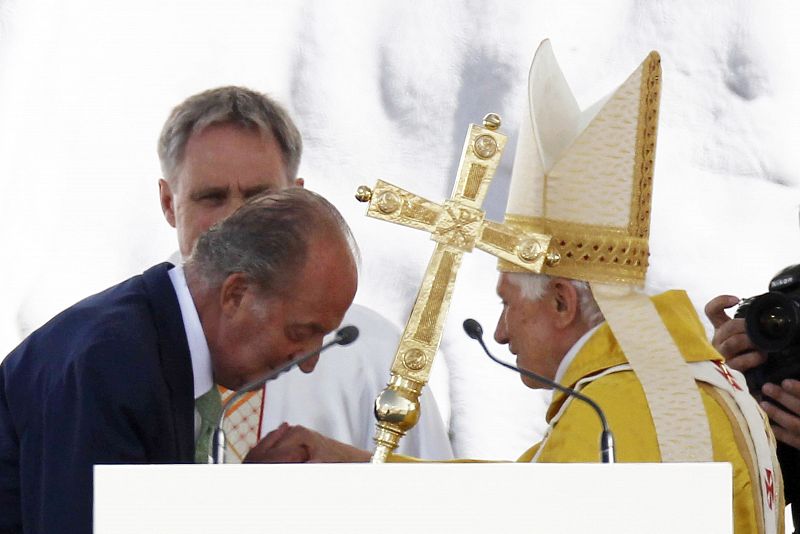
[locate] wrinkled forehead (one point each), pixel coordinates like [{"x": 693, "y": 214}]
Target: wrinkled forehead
[{"x": 230, "y": 153}]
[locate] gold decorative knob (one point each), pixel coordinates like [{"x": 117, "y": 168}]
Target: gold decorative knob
[
  {"x": 363, "y": 193},
  {"x": 492, "y": 121},
  {"x": 552, "y": 258},
  {"x": 394, "y": 407}
]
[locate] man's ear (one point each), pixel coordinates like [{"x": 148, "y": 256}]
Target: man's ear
[
  {"x": 566, "y": 302},
  {"x": 299, "y": 182},
  {"x": 167, "y": 201},
  {"x": 232, "y": 292}
]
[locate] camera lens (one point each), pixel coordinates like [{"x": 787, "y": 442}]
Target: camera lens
[{"x": 773, "y": 321}]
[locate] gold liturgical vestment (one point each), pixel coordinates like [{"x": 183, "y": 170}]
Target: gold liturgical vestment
[
  {"x": 574, "y": 430},
  {"x": 574, "y": 436}
]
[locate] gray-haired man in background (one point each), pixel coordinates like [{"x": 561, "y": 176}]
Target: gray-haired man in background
[{"x": 217, "y": 149}]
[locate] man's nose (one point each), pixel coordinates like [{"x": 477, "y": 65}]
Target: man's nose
[
  {"x": 308, "y": 365},
  {"x": 500, "y": 331},
  {"x": 236, "y": 202}
]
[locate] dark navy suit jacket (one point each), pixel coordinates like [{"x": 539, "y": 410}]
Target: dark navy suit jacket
[{"x": 107, "y": 381}]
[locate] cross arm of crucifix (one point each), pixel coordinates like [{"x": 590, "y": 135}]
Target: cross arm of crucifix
[{"x": 456, "y": 224}]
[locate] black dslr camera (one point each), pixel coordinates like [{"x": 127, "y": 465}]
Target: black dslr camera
[{"x": 773, "y": 324}]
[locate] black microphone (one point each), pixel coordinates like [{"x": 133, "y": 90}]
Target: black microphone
[
  {"x": 474, "y": 330},
  {"x": 344, "y": 336}
]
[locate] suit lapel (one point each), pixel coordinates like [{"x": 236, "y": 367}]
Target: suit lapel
[{"x": 176, "y": 362}]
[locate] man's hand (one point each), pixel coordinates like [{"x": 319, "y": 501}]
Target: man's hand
[
  {"x": 731, "y": 340},
  {"x": 730, "y": 336},
  {"x": 785, "y": 424},
  {"x": 291, "y": 444},
  {"x": 267, "y": 451}
]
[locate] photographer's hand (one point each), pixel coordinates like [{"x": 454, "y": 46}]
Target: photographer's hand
[
  {"x": 785, "y": 423},
  {"x": 731, "y": 340},
  {"x": 730, "y": 336}
]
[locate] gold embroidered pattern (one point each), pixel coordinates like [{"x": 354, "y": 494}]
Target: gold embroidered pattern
[
  {"x": 500, "y": 237},
  {"x": 639, "y": 224},
  {"x": 458, "y": 226},
  {"x": 419, "y": 212},
  {"x": 476, "y": 174},
  {"x": 430, "y": 314},
  {"x": 588, "y": 252}
]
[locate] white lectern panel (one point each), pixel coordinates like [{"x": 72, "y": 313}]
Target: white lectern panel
[{"x": 414, "y": 498}]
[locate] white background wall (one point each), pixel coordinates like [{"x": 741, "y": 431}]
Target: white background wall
[{"x": 385, "y": 89}]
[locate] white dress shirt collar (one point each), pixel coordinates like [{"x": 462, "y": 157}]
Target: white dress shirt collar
[
  {"x": 198, "y": 347},
  {"x": 570, "y": 356}
]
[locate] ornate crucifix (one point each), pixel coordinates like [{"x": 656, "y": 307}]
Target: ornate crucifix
[{"x": 457, "y": 226}]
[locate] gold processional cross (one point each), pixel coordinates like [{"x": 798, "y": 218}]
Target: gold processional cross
[{"x": 457, "y": 226}]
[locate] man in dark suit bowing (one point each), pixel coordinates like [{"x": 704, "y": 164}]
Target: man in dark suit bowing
[{"x": 120, "y": 376}]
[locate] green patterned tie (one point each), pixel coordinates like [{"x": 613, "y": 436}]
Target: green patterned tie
[{"x": 209, "y": 406}]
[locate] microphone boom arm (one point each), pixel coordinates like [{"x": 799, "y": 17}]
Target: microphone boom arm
[{"x": 607, "y": 456}]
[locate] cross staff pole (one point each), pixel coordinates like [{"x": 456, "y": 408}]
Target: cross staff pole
[{"x": 457, "y": 226}]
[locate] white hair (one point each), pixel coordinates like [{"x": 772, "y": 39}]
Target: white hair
[{"x": 533, "y": 287}]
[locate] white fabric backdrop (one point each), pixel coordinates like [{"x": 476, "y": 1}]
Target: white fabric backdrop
[{"x": 383, "y": 89}]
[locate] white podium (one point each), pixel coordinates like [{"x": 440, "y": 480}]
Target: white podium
[{"x": 462, "y": 498}]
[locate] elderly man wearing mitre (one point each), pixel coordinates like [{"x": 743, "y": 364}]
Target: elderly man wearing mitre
[{"x": 585, "y": 179}]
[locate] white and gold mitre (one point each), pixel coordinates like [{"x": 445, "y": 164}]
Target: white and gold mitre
[{"x": 585, "y": 177}]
